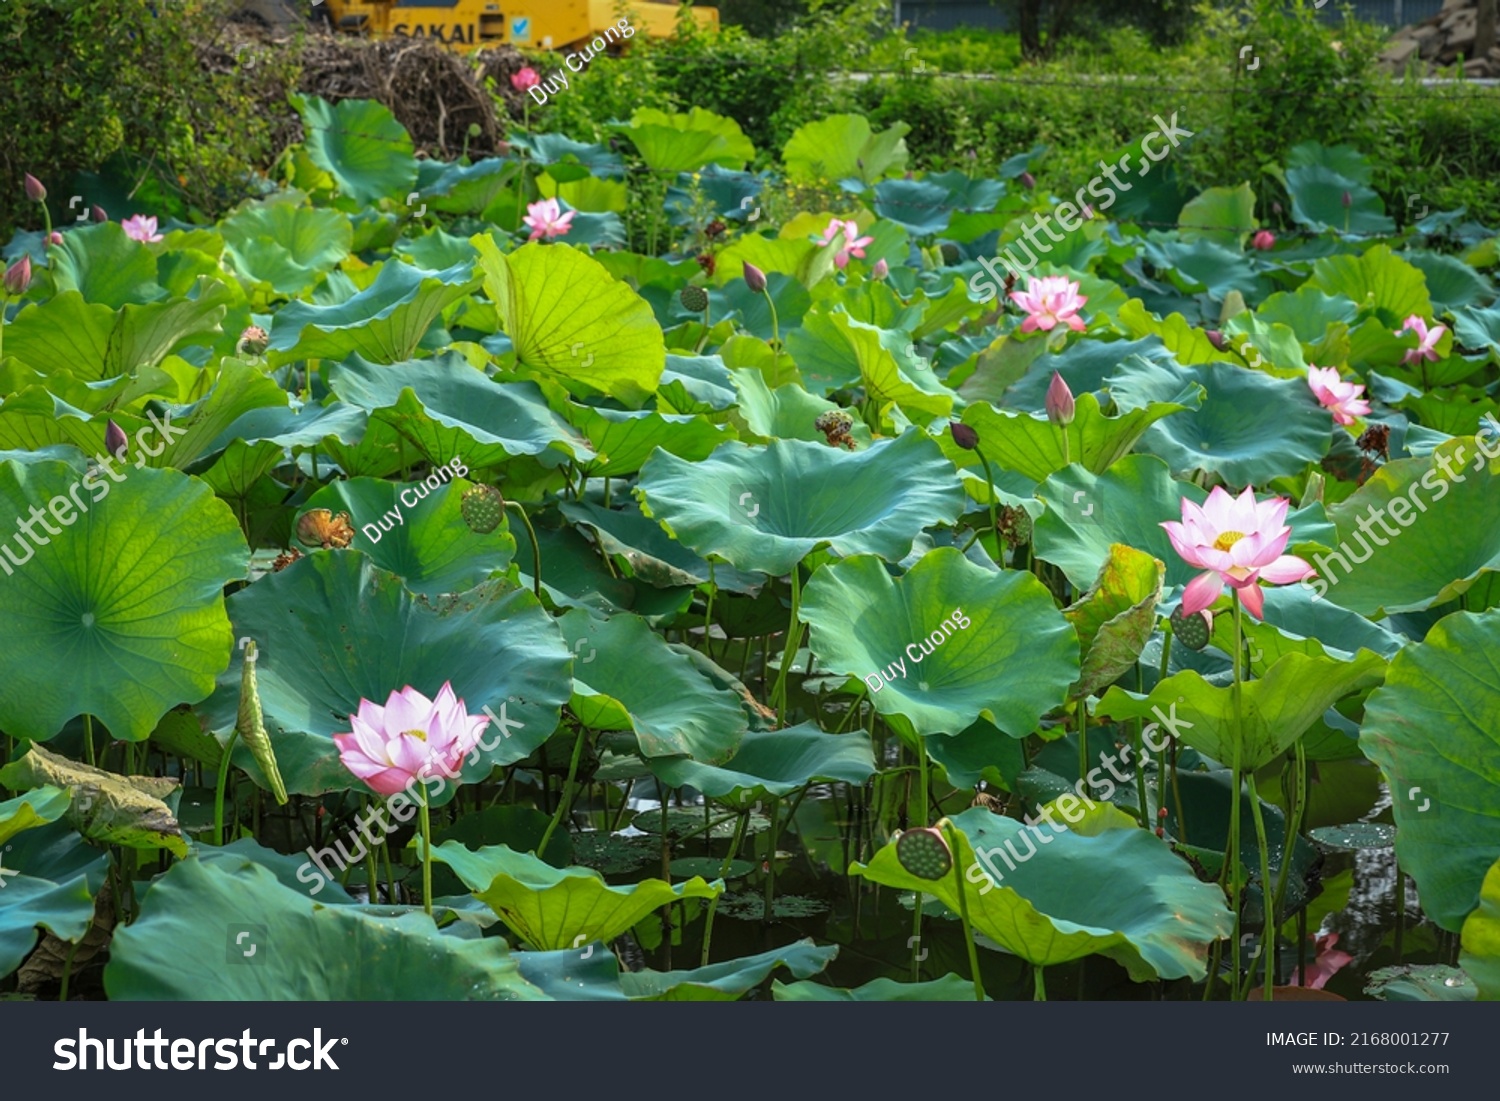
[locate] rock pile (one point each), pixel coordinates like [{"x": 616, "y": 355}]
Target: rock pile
[{"x": 1443, "y": 41}]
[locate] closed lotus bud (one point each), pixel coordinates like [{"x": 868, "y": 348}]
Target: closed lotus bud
[
  {"x": 1263, "y": 240},
  {"x": 755, "y": 279},
  {"x": 253, "y": 341},
  {"x": 55, "y": 238},
  {"x": 34, "y": 189},
  {"x": 1347, "y": 199},
  {"x": 18, "y": 276},
  {"x": 114, "y": 439},
  {"x": 881, "y": 269},
  {"x": 1059, "y": 402},
  {"x": 1028, "y": 180},
  {"x": 1216, "y": 338},
  {"x": 963, "y": 435},
  {"x": 96, "y": 212}
]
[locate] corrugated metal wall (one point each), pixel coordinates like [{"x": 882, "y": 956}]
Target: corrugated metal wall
[{"x": 949, "y": 14}]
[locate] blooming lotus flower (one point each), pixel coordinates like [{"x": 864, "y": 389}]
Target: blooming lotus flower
[
  {"x": 1340, "y": 398},
  {"x": 1329, "y": 962},
  {"x": 410, "y": 738},
  {"x": 526, "y": 78},
  {"x": 1263, "y": 240},
  {"x": 18, "y": 276},
  {"x": 138, "y": 227},
  {"x": 1427, "y": 339},
  {"x": 854, "y": 244},
  {"x": 547, "y": 220},
  {"x": 1238, "y": 541},
  {"x": 1049, "y": 301}
]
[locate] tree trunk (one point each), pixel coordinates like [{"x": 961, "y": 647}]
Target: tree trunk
[
  {"x": 1030, "y": 28},
  {"x": 1484, "y": 28}
]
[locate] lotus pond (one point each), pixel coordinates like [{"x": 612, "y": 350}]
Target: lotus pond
[{"x": 607, "y": 572}]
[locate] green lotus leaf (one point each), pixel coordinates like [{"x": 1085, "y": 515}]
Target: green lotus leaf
[
  {"x": 1318, "y": 194},
  {"x": 1063, "y": 896},
  {"x": 1029, "y": 444},
  {"x": 950, "y": 988},
  {"x": 114, "y": 809},
  {"x": 34, "y": 808},
  {"x": 285, "y": 244},
  {"x": 239, "y": 391},
  {"x": 430, "y": 545},
  {"x": 843, "y": 146},
  {"x": 1204, "y": 267},
  {"x": 51, "y": 878},
  {"x": 1116, "y": 618},
  {"x": 187, "y": 942},
  {"x": 1224, "y": 215},
  {"x": 948, "y": 642},
  {"x": 828, "y": 345},
  {"x": 982, "y": 752},
  {"x": 448, "y": 409},
  {"x": 675, "y": 711},
  {"x": 650, "y": 555},
  {"x": 361, "y": 145},
  {"x": 1481, "y": 938},
  {"x": 1434, "y": 729},
  {"x": 1420, "y": 982},
  {"x": 97, "y": 342},
  {"x": 1276, "y": 709},
  {"x": 1446, "y": 535},
  {"x": 787, "y": 412},
  {"x": 686, "y": 143},
  {"x": 570, "y": 320},
  {"x": 552, "y": 908},
  {"x": 775, "y": 763},
  {"x": 384, "y": 322},
  {"x": 1377, "y": 279},
  {"x": 467, "y": 188},
  {"x": 768, "y": 508},
  {"x": 104, "y": 266},
  {"x": 727, "y": 981},
  {"x": 1249, "y": 429},
  {"x": 1187, "y": 342},
  {"x": 1308, "y": 312},
  {"x": 324, "y": 627},
  {"x": 623, "y": 439},
  {"x": 1452, "y": 284},
  {"x": 123, "y": 609}
]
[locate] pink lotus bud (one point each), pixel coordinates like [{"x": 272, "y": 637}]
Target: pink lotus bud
[
  {"x": 526, "y": 78},
  {"x": 1216, "y": 338},
  {"x": 1263, "y": 240},
  {"x": 55, "y": 238},
  {"x": 963, "y": 435},
  {"x": 34, "y": 189},
  {"x": 97, "y": 214},
  {"x": 18, "y": 276},
  {"x": 114, "y": 440},
  {"x": 1059, "y": 402},
  {"x": 755, "y": 279},
  {"x": 1347, "y": 199},
  {"x": 1028, "y": 180},
  {"x": 881, "y": 269}
]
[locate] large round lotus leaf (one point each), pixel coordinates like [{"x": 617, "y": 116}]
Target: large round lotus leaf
[
  {"x": 570, "y": 320},
  {"x": 729, "y": 980},
  {"x": 51, "y": 877},
  {"x": 947, "y": 643},
  {"x": 1250, "y": 428},
  {"x": 648, "y": 552},
  {"x": 982, "y": 752},
  {"x": 285, "y": 244},
  {"x": 1434, "y": 728},
  {"x": 120, "y": 613},
  {"x": 841, "y": 146},
  {"x": 1051, "y": 895},
  {"x": 333, "y": 628},
  {"x": 34, "y": 808},
  {"x": 674, "y": 711},
  {"x": 687, "y": 142},
  {"x": 1116, "y": 618},
  {"x": 360, "y": 143},
  {"x": 384, "y": 322},
  {"x": 552, "y": 908},
  {"x": 950, "y": 988},
  {"x": 1445, "y": 534},
  {"x": 775, "y": 762},
  {"x": 1276, "y": 709},
  {"x": 623, "y": 440},
  {"x": 768, "y": 508},
  {"x": 1481, "y": 939},
  {"x": 429, "y": 544},
  {"x": 186, "y": 945},
  {"x": 448, "y": 409},
  {"x": 830, "y": 345}
]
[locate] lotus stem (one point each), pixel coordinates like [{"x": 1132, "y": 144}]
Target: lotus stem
[
  {"x": 1039, "y": 983},
  {"x": 1232, "y": 858},
  {"x": 88, "y": 738},
  {"x": 1267, "y": 893},
  {"x": 372, "y": 866},
  {"x": 793, "y": 639},
  {"x": 426, "y": 826},
  {"x": 1294, "y": 824},
  {"x": 536, "y": 548},
  {"x": 713, "y": 903},
  {"x": 989, "y": 479},
  {"x": 775, "y": 323},
  {"x": 1083, "y": 745},
  {"x": 566, "y": 800},
  {"x": 963, "y": 912},
  {"x": 219, "y": 787}
]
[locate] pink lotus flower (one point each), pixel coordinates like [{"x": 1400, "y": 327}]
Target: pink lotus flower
[
  {"x": 1340, "y": 398},
  {"x": 408, "y": 739},
  {"x": 1059, "y": 403},
  {"x": 1329, "y": 962},
  {"x": 547, "y": 220},
  {"x": 1049, "y": 301},
  {"x": 1427, "y": 339},
  {"x": 1237, "y": 540},
  {"x": 1263, "y": 240},
  {"x": 854, "y": 244},
  {"x": 18, "y": 276},
  {"x": 524, "y": 79},
  {"x": 880, "y": 270},
  {"x": 138, "y": 227}
]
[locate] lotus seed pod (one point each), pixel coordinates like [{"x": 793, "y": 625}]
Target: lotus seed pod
[
  {"x": 1192, "y": 631},
  {"x": 924, "y": 853},
  {"x": 483, "y": 508},
  {"x": 1015, "y": 525},
  {"x": 694, "y": 298}
]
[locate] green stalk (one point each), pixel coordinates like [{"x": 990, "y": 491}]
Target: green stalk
[
  {"x": 963, "y": 913},
  {"x": 372, "y": 868},
  {"x": 1083, "y": 745},
  {"x": 426, "y": 825},
  {"x": 566, "y": 800},
  {"x": 536, "y": 548},
  {"x": 1294, "y": 827},
  {"x": 1039, "y": 983},
  {"x": 793, "y": 639},
  {"x": 1268, "y": 896},
  {"x": 713, "y": 904},
  {"x": 775, "y": 325},
  {"x": 994, "y": 514},
  {"x": 88, "y": 738},
  {"x": 1232, "y": 858},
  {"x": 219, "y": 788}
]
